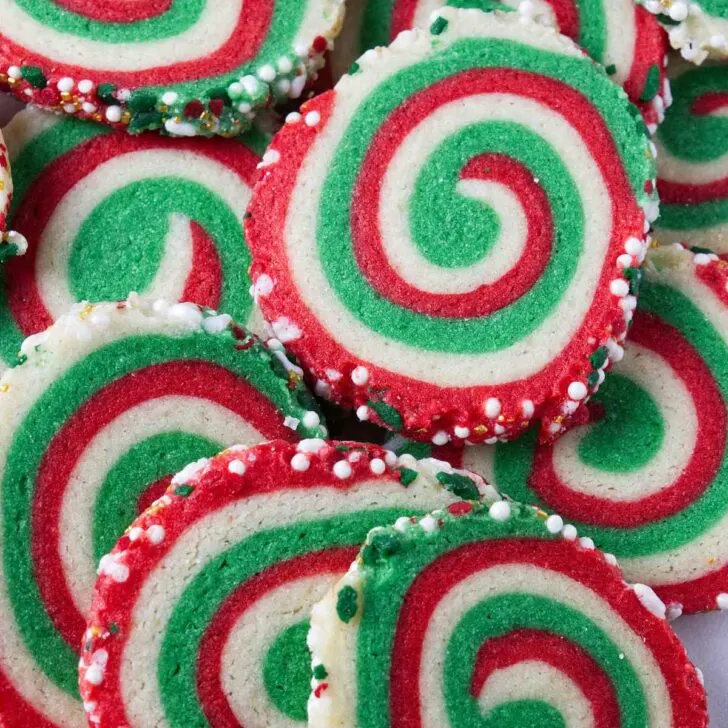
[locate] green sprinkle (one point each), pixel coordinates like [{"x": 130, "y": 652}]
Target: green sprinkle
[
  {"x": 355, "y": 68},
  {"x": 34, "y": 76},
  {"x": 593, "y": 380},
  {"x": 387, "y": 414},
  {"x": 114, "y": 628},
  {"x": 460, "y": 485},
  {"x": 381, "y": 545},
  {"x": 611, "y": 69},
  {"x": 143, "y": 101},
  {"x": 145, "y": 120},
  {"x": 320, "y": 673},
  {"x": 634, "y": 276},
  {"x": 342, "y": 448},
  {"x": 705, "y": 251},
  {"x": 407, "y": 476},
  {"x": 183, "y": 490},
  {"x": 438, "y": 27},
  {"x": 652, "y": 84},
  {"x": 220, "y": 93},
  {"x": 599, "y": 357},
  {"x": 105, "y": 92},
  {"x": 417, "y": 450},
  {"x": 346, "y": 604},
  {"x": 21, "y": 359}
]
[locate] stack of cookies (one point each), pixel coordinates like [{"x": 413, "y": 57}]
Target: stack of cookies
[{"x": 362, "y": 363}]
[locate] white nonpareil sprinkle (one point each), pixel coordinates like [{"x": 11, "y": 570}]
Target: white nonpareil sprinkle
[
  {"x": 113, "y": 114},
  {"x": 342, "y": 469},
  {"x": 554, "y": 524},
  {"x": 440, "y": 438},
  {"x": 500, "y": 511},
  {"x": 428, "y": 524},
  {"x": 362, "y": 413},
  {"x": 650, "y": 600},
  {"x": 492, "y": 407},
  {"x": 312, "y": 118},
  {"x": 461, "y": 432},
  {"x": 311, "y": 420},
  {"x": 291, "y": 422},
  {"x": 300, "y": 462},
  {"x": 377, "y": 466},
  {"x": 360, "y": 376},
  {"x": 313, "y": 445},
  {"x": 569, "y": 532},
  {"x": 236, "y": 467},
  {"x": 619, "y": 287},
  {"x": 527, "y": 408},
  {"x": 577, "y": 391},
  {"x": 155, "y": 534},
  {"x": 721, "y": 601}
]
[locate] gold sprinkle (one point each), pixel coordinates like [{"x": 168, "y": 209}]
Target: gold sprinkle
[
  {"x": 480, "y": 429},
  {"x": 4, "y": 388},
  {"x": 86, "y": 312}
]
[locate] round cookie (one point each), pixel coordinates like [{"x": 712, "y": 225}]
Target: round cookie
[
  {"x": 184, "y": 66},
  {"x": 200, "y": 613},
  {"x": 489, "y": 130},
  {"x": 106, "y": 214},
  {"x": 692, "y": 159},
  {"x": 647, "y": 478},
  {"x": 11, "y": 243},
  {"x": 107, "y": 405},
  {"x": 697, "y": 28},
  {"x": 624, "y": 38},
  {"x": 494, "y": 617}
]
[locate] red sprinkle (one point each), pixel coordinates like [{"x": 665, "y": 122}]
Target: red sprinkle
[
  {"x": 320, "y": 689},
  {"x": 460, "y": 509},
  {"x": 320, "y": 44},
  {"x": 194, "y": 108}
]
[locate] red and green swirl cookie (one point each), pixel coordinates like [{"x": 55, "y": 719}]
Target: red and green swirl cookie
[
  {"x": 106, "y": 213},
  {"x": 697, "y": 28},
  {"x": 447, "y": 238},
  {"x": 692, "y": 160},
  {"x": 11, "y": 243},
  {"x": 647, "y": 477},
  {"x": 186, "y": 67},
  {"x": 108, "y": 404},
  {"x": 491, "y": 618},
  {"x": 200, "y": 613},
  {"x": 623, "y": 37}
]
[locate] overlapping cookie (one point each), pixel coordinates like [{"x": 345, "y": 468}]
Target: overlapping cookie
[
  {"x": 106, "y": 406},
  {"x": 200, "y": 614},
  {"x": 106, "y": 214},
  {"x": 494, "y": 617},
  {"x": 448, "y": 238},
  {"x": 184, "y": 66},
  {"x": 647, "y": 478},
  {"x": 620, "y": 35},
  {"x": 697, "y": 28},
  {"x": 692, "y": 159}
]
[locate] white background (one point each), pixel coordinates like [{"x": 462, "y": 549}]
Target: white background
[{"x": 705, "y": 635}]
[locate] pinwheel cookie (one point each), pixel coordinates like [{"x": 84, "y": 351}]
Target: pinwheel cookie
[
  {"x": 106, "y": 214},
  {"x": 11, "y": 243},
  {"x": 647, "y": 478},
  {"x": 493, "y": 617},
  {"x": 692, "y": 159},
  {"x": 184, "y": 66},
  {"x": 448, "y": 238},
  {"x": 621, "y": 36},
  {"x": 107, "y": 405},
  {"x": 200, "y": 613},
  {"x": 697, "y": 28}
]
